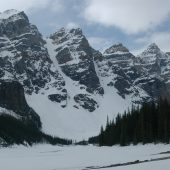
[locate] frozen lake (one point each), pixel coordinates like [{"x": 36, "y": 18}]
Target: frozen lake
[{"x": 47, "y": 157}]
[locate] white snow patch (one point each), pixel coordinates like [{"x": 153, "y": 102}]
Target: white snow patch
[
  {"x": 8, "y": 13},
  {"x": 47, "y": 157},
  {"x": 4, "y": 111}
]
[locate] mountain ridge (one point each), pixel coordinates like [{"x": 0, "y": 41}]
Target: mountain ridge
[{"x": 70, "y": 85}]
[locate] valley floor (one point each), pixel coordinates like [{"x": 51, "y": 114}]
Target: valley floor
[{"x": 47, "y": 157}]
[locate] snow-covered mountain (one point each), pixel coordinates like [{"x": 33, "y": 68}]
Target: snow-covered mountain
[
  {"x": 70, "y": 85},
  {"x": 156, "y": 64},
  {"x": 140, "y": 77}
]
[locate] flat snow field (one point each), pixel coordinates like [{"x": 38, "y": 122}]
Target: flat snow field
[{"x": 47, "y": 157}]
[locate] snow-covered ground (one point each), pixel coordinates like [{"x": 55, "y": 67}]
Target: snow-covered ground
[{"x": 47, "y": 157}]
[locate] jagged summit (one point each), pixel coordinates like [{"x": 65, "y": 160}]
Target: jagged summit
[
  {"x": 151, "y": 49},
  {"x": 152, "y": 56},
  {"x": 67, "y": 30},
  {"x": 168, "y": 53},
  {"x": 116, "y": 48},
  {"x": 67, "y": 33},
  {"x": 22, "y": 47},
  {"x": 72, "y": 44},
  {"x": 14, "y": 23},
  {"x": 9, "y": 13},
  {"x": 65, "y": 79},
  {"x": 75, "y": 56},
  {"x": 153, "y": 46}
]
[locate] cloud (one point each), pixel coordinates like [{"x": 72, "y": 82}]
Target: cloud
[
  {"x": 131, "y": 16},
  {"x": 138, "y": 51},
  {"x": 29, "y": 5},
  {"x": 22, "y": 5},
  {"x": 162, "y": 39},
  {"x": 56, "y": 6},
  {"x": 99, "y": 43},
  {"x": 71, "y": 25}
]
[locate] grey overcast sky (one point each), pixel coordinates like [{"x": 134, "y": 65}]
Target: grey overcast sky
[{"x": 135, "y": 23}]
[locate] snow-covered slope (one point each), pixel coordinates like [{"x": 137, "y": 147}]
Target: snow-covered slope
[
  {"x": 47, "y": 157},
  {"x": 74, "y": 121},
  {"x": 67, "y": 95},
  {"x": 71, "y": 86}
]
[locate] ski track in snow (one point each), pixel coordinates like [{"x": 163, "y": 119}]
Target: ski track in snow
[{"x": 47, "y": 157}]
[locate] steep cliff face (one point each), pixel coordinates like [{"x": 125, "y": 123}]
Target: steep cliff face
[
  {"x": 155, "y": 63},
  {"x": 75, "y": 57},
  {"x": 12, "y": 98},
  {"x": 166, "y": 70},
  {"x": 70, "y": 85},
  {"x": 118, "y": 71},
  {"x": 142, "y": 78},
  {"x": 25, "y": 67},
  {"x": 23, "y": 56},
  {"x": 119, "y": 63}
]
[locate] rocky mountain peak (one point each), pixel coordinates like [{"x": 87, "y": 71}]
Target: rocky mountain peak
[
  {"x": 116, "y": 48},
  {"x": 152, "y": 49},
  {"x": 72, "y": 44},
  {"x": 153, "y": 46},
  {"x": 168, "y": 53},
  {"x": 12, "y": 15},
  {"x": 64, "y": 34},
  {"x": 23, "y": 55},
  {"x": 76, "y": 31},
  {"x": 14, "y": 23},
  {"x": 8, "y": 13},
  {"x": 67, "y": 30},
  {"x": 64, "y": 70},
  {"x": 75, "y": 57}
]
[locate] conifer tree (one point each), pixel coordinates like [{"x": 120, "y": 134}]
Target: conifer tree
[{"x": 146, "y": 124}]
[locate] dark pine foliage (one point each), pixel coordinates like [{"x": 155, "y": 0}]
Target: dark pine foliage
[
  {"x": 147, "y": 124},
  {"x": 13, "y": 131}
]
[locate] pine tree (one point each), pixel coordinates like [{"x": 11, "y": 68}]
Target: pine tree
[
  {"x": 101, "y": 137},
  {"x": 146, "y": 124}
]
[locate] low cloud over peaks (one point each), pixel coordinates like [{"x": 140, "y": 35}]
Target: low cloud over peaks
[{"x": 131, "y": 16}]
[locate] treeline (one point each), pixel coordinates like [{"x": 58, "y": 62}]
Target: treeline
[
  {"x": 13, "y": 131},
  {"x": 147, "y": 124}
]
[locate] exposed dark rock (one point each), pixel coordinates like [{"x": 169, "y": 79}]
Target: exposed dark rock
[
  {"x": 64, "y": 56},
  {"x": 23, "y": 54},
  {"x": 24, "y": 58},
  {"x": 116, "y": 48},
  {"x": 145, "y": 77},
  {"x": 12, "y": 97},
  {"x": 86, "y": 102},
  {"x": 75, "y": 55},
  {"x": 57, "y": 97}
]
